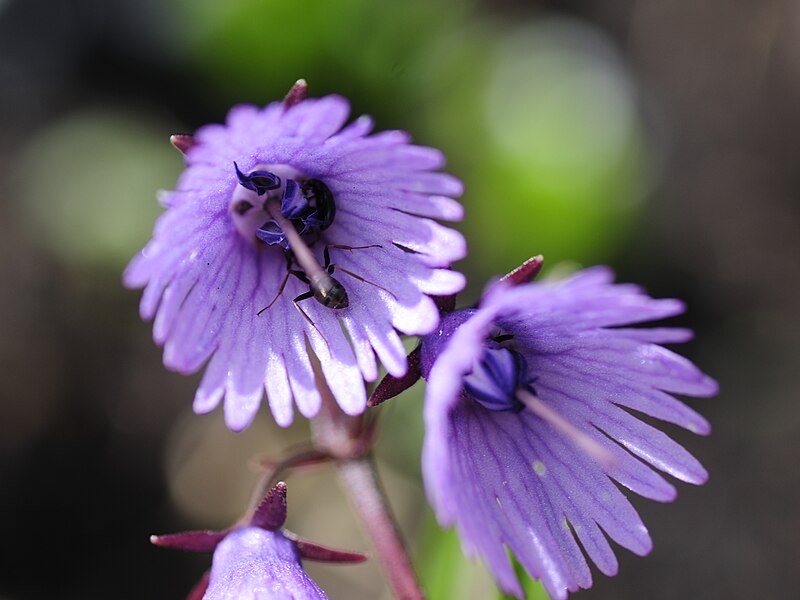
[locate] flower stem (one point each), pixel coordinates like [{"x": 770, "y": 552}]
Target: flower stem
[
  {"x": 348, "y": 441},
  {"x": 273, "y": 470},
  {"x": 361, "y": 481}
]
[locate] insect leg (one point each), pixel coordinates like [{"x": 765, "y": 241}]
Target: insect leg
[
  {"x": 289, "y": 271},
  {"x": 296, "y": 302},
  {"x": 301, "y": 276},
  {"x": 300, "y": 298},
  {"x": 280, "y": 291},
  {"x": 326, "y": 253},
  {"x": 360, "y": 278}
]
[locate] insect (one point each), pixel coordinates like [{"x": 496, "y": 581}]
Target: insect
[{"x": 322, "y": 285}]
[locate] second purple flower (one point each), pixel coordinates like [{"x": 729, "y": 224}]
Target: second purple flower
[{"x": 528, "y": 432}]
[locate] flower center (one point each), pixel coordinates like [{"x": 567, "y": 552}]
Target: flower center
[
  {"x": 496, "y": 379},
  {"x": 306, "y": 202},
  {"x": 500, "y": 382}
]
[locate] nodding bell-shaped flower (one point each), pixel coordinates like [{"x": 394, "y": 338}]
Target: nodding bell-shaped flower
[
  {"x": 259, "y": 560},
  {"x": 527, "y": 432}
]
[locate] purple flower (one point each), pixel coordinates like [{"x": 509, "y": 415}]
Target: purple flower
[
  {"x": 257, "y": 564},
  {"x": 287, "y": 227},
  {"x": 258, "y": 561},
  {"x": 527, "y": 427}
]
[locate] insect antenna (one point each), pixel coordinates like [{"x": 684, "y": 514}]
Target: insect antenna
[{"x": 330, "y": 267}]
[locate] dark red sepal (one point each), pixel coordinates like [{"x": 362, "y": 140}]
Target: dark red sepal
[
  {"x": 271, "y": 511},
  {"x": 526, "y": 272},
  {"x": 389, "y": 387},
  {"x": 317, "y": 552},
  {"x": 297, "y": 94},
  {"x": 199, "y": 590},
  {"x": 182, "y": 142},
  {"x": 445, "y": 304},
  {"x": 193, "y": 541}
]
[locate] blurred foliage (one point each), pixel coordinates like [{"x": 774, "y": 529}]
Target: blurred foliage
[
  {"x": 567, "y": 154},
  {"x": 547, "y": 136},
  {"x": 401, "y": 431},
  {"x": 371, "y": 51},
  {"x": 87, "y": 185}
]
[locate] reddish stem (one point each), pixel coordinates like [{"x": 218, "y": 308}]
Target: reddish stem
[
  {"x": 348, "y": 440},
  {"x": 361, "y": 482}
]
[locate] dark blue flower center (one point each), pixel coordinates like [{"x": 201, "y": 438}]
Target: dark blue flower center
[
  {"x": 307, "y": 202},
  {"x": 495, "y": 380},
  {"x": 310, "y": 202}
]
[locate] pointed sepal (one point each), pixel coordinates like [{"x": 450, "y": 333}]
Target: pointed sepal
[
  {"x": 182, "y": 142},
  {"x": 445, "y": 304},
  {"x": 390, "y": 386},
  {"x": 526, "y": 272},
  {"x": 317, "y": 552},
  {"x": 297, "y": 94},
  {"x": 193, "y": 541},
  {"x": 271, "y": 511}
]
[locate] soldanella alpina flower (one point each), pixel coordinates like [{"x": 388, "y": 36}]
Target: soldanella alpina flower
[
  {"x": 288, "y": 229},
  {"x": 259, "y": 560},
  {"x": 528, "y": 429}
]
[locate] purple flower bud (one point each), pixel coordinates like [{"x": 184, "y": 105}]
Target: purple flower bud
[
  {"x": 260, "y": 561},
  {"x": 257, "y": 564}
]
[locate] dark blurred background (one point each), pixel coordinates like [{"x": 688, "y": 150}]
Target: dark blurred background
[{"x": 660, "y": 137}]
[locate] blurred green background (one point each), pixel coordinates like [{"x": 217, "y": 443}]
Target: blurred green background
[{"x": 661, "y": 138}]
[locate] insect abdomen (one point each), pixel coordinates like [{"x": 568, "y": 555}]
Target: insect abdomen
[{"x": 330, "y": 293}]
